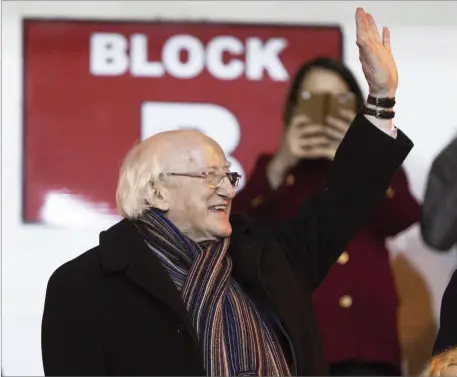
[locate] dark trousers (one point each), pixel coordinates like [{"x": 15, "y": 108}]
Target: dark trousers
[{"x": 363, "y": 369}]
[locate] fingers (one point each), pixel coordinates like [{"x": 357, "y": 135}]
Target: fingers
[
  {"x": 367, "y": 31},
  {"x": 308, "y": 130},
  {"x": 347, "y": 115},
  {"x": 386, "y": 38},
  {"x": 324, "y": 152},
  {"x": 299, "y": 121},
  {"x": 374, "y": 29},
  {"x": 339, "y": 124},
  {"x": 318, "y": 135},
  {"x": 334, "y": 134},
  {"x": 312, "y": 142},
  {"x": 315, "y": 141},
  {"x": 313, "y": 148},
  {"x": 360, "y": 25},
  {"x": 306, "y": 139},
  {"x": 362, "y": 28}
]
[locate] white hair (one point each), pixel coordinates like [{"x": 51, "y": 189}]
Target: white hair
[{"x": 138, "y": 178}]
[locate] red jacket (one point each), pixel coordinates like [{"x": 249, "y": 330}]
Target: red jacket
[{"x": 357, "y": 303}]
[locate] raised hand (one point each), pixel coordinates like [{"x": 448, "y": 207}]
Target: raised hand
[{"x": 375, "y": 54}]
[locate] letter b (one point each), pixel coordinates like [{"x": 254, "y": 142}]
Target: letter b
[{"x": 108, "y": 54}]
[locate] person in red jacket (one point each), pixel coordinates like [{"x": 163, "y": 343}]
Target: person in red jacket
[{"x": 357, "y": 303}]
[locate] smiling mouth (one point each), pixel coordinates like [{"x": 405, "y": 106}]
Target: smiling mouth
[{"x": 218, "y": 208}]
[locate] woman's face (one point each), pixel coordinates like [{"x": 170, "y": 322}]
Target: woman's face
[
  {"x": 318, "y": 81},
  {"x": 322, "y": 80}
]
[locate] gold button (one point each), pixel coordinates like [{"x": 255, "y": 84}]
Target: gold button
[
  {"x": 344, "y": 257},
  {"x": 390, "y": 193},
  {"x": 345, "y": 301},
  {"x": 257, "y": 201},
  {"x": 290, "y": 180}
]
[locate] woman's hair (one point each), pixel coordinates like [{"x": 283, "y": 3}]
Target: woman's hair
[
  {"x": 330, "y": 64},
  {"x": 439, "y": 364}
]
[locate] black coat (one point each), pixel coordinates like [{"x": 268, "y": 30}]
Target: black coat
[
  {"x": 115, "y": 311},
  {"x": 447, "y": 334}
]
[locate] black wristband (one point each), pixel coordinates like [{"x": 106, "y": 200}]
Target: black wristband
[
  {"x": 386, "y": 103},
  {"x": 380, "y": 114}
]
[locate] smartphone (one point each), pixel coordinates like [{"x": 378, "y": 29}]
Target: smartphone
[
  {"x": 338, "y": 102},
  {"x": 313, "y": 106},
  {"x": 317, "y": 106}
]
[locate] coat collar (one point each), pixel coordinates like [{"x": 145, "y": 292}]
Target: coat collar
[
  {"x": 121, "y": 244},
  {"x": 123, "y": 249}
]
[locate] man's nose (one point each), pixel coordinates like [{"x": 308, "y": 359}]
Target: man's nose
[{"x": 226, "y": 189}]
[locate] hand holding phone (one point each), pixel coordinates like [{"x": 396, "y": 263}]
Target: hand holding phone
[
  {"x": 340, "y": 114},
  {"x": 328, "y": 116},
  {"x": 306, "y": 137}
]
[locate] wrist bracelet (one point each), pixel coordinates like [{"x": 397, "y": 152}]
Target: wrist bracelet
[
  {"x": 385, "y": 102},
  {"x": 379, "y": 114}
]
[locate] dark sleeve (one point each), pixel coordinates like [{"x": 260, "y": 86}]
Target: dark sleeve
[
  {"x": 70, "y": 340},
  {"x": 439, "y": 218},
  {"x": 447, "y": 334},
  {"x": 399, "y": 210},
  {"x": 364, "y": 165}
]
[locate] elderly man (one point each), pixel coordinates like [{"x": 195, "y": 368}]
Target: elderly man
[{"x": 182, "y": 287}]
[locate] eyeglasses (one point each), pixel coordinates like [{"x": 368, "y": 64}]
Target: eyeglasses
[{"x": 213, "y": 179}]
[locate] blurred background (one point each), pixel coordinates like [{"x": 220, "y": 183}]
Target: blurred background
[{"x": 83, "y": 80}]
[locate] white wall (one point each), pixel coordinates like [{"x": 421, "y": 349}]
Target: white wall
[{"x": 424, "y": 36}]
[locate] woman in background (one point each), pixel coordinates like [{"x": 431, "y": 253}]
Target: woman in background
[{"x": 357, "y": 303}]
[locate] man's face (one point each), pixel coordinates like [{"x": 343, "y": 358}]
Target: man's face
[{"x": 196, "y": 207}]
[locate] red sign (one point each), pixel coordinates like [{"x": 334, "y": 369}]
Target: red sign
[{"x": 92, "y": 88}]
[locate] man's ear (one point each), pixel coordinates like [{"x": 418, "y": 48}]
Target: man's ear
[{"x": 158, "y": 197}]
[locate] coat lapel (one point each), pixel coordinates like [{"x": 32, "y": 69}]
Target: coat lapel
[
  {"x": 123, "y": 249},
  {"x": 279, "y": 285},
  {"x": 257, "y": 266},
  {"x": 263, "y": 271}
]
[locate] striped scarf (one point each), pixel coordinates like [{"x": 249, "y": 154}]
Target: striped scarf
[{"x": 236, "y": 340}]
